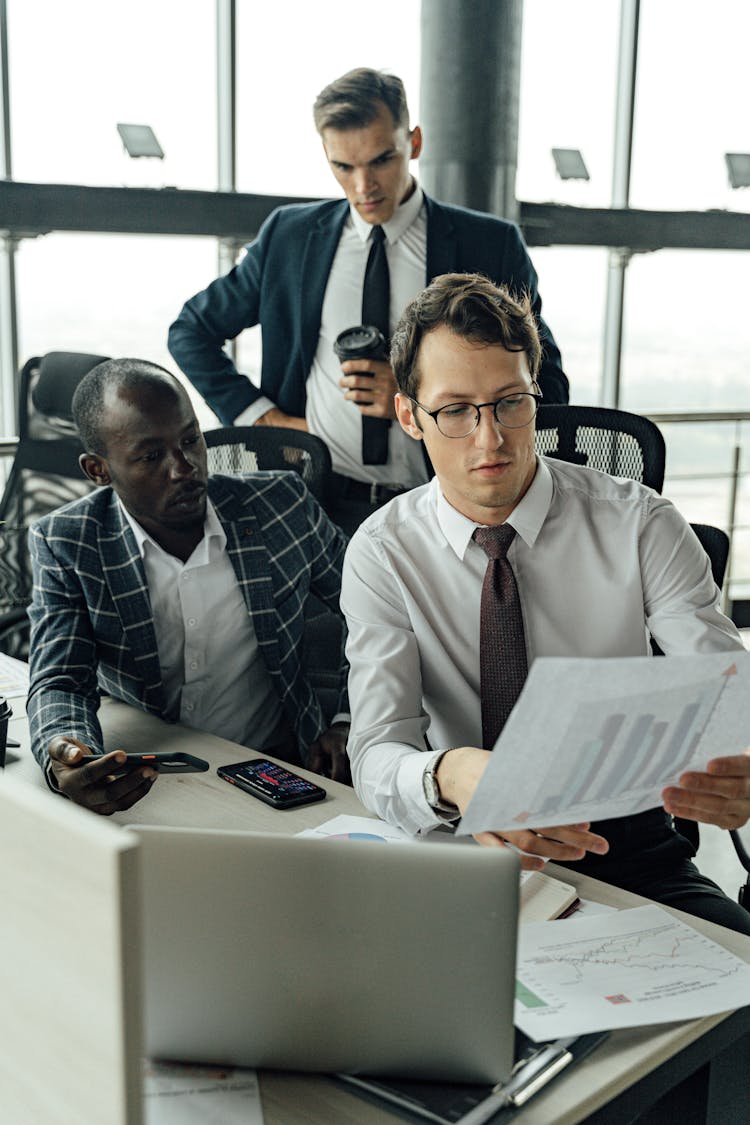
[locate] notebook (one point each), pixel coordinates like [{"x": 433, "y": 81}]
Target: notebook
[{"x": 275, "y": 951}]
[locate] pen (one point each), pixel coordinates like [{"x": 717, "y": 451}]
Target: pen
[{"x": 522, "y": 1086}]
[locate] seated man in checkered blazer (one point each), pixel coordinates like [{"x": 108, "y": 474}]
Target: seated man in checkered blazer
[{"x": 176, "y": 592}]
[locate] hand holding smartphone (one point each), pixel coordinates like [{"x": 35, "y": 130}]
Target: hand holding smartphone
[
  {"x": 165, "y": 761},
  {"x": 272, "y": 783}
]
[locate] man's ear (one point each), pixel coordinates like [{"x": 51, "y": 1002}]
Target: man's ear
[
  {"x": 416, "y": 142},
  {"x": 95, "y": 468},
  {"x": 406, "y": 416}
]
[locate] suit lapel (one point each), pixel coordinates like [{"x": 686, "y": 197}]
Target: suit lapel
[
  {"x": 317, "y": 259},
  {"x": 442, "y": 242},
  {"x": 123, "y": 572}
]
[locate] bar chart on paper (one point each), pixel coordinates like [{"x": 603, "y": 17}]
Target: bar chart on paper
[
  {"x": 598, "y": 739},
  {"x": 633, "y": 748}
]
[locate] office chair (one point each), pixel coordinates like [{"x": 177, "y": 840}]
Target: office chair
[
  {"x": 613, "y": 441},
  {"x": 247, "y": 449},
  {"x": 715, "y": 543},
  {"x": 629, "y": 445},
  {"x": 45, "y": 474}
]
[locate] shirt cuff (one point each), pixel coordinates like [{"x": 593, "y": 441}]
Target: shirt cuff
[
  {"x": 50, "y": 778},
  {"x": 410, "y": 775},
  {"x": 253, "y": 412},
  {"x": 341, "y": 717}
]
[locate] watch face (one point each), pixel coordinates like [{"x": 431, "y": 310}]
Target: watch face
[{"x": 430, "y": 786}]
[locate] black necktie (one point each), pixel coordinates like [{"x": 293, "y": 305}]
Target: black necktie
[
  {"x": 376, "y": 304},
  {"x": 502, "y": 647}
]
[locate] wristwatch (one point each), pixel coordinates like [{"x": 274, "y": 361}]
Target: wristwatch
[{"x": 432, "y": 788}]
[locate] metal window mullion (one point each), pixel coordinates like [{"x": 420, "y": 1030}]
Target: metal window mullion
[
  {"x": 226, "y": 116},
  {"x": 8, "y": 305},
  {"x": 621, "y": 165}
]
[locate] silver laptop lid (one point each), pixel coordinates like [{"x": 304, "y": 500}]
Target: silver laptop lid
[{"x": 324, "y": 955}]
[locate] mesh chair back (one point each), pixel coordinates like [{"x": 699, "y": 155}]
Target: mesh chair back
[
  {"x": 613, "y": 441},
  {"x": 715, "y": 543},
  {"x": 246, "y": 449},
  {"x": 44, "y": 475}
]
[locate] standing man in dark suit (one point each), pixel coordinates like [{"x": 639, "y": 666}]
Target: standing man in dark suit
[
  {"x": 176, "y": 592},
  {"x": 304, "y": 280}
]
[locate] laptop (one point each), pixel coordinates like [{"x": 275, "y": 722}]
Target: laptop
[{"x": 329, "y": 955}]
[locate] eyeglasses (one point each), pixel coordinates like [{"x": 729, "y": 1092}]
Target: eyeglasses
[{"x": 459, "y": 419}]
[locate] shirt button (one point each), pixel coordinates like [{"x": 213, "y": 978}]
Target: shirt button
[
  {"x": 193, "y": 664},
  {"x": 189, "y": 707},
  {"x": 192, "y": 621},
  {"x": 185, "y": 577}
]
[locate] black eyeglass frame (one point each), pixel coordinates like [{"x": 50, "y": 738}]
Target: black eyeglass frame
[{"x": 478, "y": 407}]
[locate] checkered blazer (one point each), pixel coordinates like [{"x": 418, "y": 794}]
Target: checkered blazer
[{"x": 91, "y": 624}]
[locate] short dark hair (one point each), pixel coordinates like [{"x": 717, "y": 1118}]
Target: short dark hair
[
  {"x": 472, "y": 307},
  {"x": 354, "y": 100},
  {"x": 113, "y": 374}
]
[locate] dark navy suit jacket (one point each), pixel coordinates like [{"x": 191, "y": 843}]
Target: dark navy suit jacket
[{"x": 281, "y": 282}]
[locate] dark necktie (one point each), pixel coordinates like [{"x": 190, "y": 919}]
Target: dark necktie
[
  {"x": 502, "y": 648},
  {"x": 376, "y": 304}
]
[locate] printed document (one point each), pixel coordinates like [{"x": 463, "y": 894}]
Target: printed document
[
  {"x": 624, "y": 969},
  {"x": 188, "y": 1094},
  {"x": 597, "y": 739}
]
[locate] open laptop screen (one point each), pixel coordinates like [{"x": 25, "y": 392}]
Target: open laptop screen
[{"x": 325, "y": 955}]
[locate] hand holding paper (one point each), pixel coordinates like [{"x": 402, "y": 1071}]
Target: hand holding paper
[
  {"x": 592, "y": 740},
  {"x": 720, "y": 795},
  {"x": 459, "y": 774}
]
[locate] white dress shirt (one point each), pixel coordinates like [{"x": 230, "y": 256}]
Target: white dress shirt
[
  {"x": 601, "y": 564},
  {"x": 329, "y": 415},
  {"x": 213, "y": 674}
]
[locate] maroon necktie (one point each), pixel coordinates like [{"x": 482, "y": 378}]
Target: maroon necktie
[
  {"x": 376, "y": 304},
  {"x": 502, "y": 648}
]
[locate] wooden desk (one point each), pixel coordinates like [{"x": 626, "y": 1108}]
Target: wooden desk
[{"x": 627, "y": 1074}]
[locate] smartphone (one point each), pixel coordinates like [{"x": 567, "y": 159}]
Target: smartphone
[
  {"x": 273, "y": 784},
  {"x": 165, "y": 761}
]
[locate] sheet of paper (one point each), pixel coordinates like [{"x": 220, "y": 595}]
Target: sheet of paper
[
  {"x": 14, "y": 676},
  {"x": 184, "y": 1094},
  {"x": 358, "y": 828},
  {"x": 593, "y": 739},
  {"x": 345, "y": 827},
  {"x": 624, "y": 969}
]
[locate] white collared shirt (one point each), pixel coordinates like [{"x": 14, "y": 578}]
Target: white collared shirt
[
  {"x": 600, "y": 563},
  {"x": 213, "y": 674},
  {"x": 329, "y": 415}
]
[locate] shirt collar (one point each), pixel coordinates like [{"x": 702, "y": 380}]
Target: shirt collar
[
  {"x": 213, "y": 533},
  {"x": 399, "y": 222},
  {"x": 527, "y": 517}
]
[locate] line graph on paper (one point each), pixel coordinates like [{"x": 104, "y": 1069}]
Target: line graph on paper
[{"x": 637, "y": 966}]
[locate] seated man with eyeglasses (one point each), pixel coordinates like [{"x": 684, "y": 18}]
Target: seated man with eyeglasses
[{"x": 452, "y": 589}]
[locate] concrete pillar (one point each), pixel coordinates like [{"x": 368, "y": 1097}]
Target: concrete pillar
[{"x": 471, "y": 63}]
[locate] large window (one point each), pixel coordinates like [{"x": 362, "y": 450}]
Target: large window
[
  {"x": 685, "y": 332},
  {"x": 287, "y": 54},
  {"x": 110, "y": 295},
  {"x": 568, "y": 69},
  {"x": 570, "y": 283},
  {"x": 692, "y": 104},
  {"x": 79, "y": 67}
]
